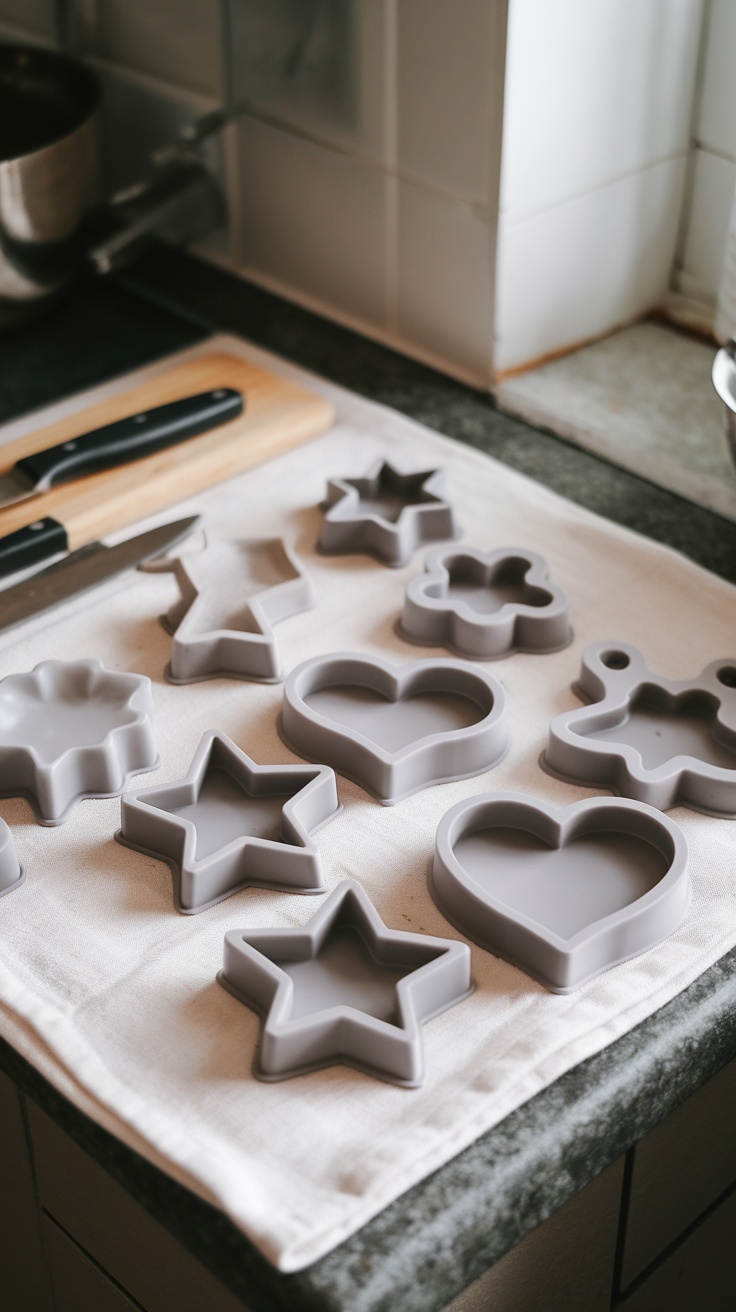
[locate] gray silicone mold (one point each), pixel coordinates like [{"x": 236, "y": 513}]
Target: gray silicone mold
[
  {"x": 395, "y": 729},
  {"x": 387, "y": 514},
  {"x": 11, "y": 875},
  {"x": 232, "y": 593},
  {"x": 485, "y": 604},
  {"x": 72, "y": 729},
  {"x": 562, "y": 893},
  {"x": 654, "y": 739},
  {"x": 231, "y": 824},
  {"x": 344, "y": 990}
]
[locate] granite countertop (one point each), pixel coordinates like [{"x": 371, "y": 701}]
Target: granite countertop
[{"x": 434, "y": 1240}]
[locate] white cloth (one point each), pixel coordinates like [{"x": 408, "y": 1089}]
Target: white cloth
[{"x": 112, "y": 994}]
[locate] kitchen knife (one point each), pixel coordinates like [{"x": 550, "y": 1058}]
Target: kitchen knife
[
  {"x": 84, "y": 569},
  {"x": 120, "y": 443}
]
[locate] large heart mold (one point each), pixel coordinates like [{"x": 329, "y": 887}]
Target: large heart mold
[
  {"x": 647, "y": 737},
  {"x": 565, "y": 893},
  {"x": 485, "y": 605},
  {"x": 394, "y": 730}
]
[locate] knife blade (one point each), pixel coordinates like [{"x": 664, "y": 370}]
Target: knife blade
[
  {"x": 120, "y": 443},
  {"x": 84, "y": 569}
]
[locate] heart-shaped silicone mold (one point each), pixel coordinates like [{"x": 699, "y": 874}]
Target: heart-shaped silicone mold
[
  {"x": 393, "y": 729},
  {"x": 562, "y": 893}
]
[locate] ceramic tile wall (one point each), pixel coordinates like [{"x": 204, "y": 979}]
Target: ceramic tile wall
[
  {"x": 713, "y": 179},
  {"x": 595, "y": 141}
]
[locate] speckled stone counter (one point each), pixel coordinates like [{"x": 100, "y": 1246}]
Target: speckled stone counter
[{"x": 428, "y": 1245}]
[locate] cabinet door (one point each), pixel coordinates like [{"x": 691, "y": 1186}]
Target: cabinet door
[
  {"x": 24, "y": 1284},
  {"x": 699, "y": 1276},
  {"x": 77, "y": 1282}
]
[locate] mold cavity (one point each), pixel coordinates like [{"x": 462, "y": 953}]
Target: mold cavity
[
  {"x": 615, "y": 660},
  {"x": 55, "y": 720},
  {"x": 389, "y": 493},
  {"x": 394, "y": 725},
  {"x": 727, "y": 676},
  {"x": 471, "y": 582},
  {"x": 243, "y": 569},
  {"x": 224, "y": 811},
  {"x": 565, "y": 889},
  {"x": 659, "y": 726},
  {"x": 345, "y": 972}
]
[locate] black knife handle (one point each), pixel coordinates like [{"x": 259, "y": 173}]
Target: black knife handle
[
  {"x": 132, "y": 438},
  {"x": 37, "y": 541}
]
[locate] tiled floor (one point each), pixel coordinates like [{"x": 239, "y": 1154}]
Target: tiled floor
[{"x": 644, "y": 400}]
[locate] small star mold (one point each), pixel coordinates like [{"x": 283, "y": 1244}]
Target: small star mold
[
  {"x": 70, "y": 730},
  {"x": 232, "y": 593},
  {"x": 386, "y": 514},
  {"x": 11, "y": 875},
  {"x": 231, "y": 824},
  {"x": 344, "y": 990},
  {"x": 562, "y": 893},
  {"x": 484, "y": 605},
  {"x": 395, "y": 729},
  {"x": 654, "y": 739}
]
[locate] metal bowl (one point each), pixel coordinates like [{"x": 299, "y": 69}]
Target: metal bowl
[{"x": 724, "y": 381}]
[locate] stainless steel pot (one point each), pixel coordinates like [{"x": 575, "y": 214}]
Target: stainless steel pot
[
  {"x": 49, "y": 123},
  {"x": 724, "y": 381}
]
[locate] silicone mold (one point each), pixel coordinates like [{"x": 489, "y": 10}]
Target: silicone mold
[
  {"x": 387, "y": 514},
  {"x": 562, "y": 893},
  {"x": 230, "y": 824},
  {"x": 72, "y": 729},
  {"x": 345, "y": 990},
  {"x": 654, "y": 739},
  {"x": 394, "y": 730},
  {"x": 485, "y": 604},
  {"x": 11, "y": 875},
  {"x": 232, "y": 593}
]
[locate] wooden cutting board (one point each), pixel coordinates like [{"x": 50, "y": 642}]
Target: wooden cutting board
[{"x": 278, "y": 415}]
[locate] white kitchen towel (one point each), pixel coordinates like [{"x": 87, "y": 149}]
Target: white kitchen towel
[{"x": 112, "y": 994}]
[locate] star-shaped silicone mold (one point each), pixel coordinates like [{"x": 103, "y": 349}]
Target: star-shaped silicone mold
[
  {"x": 344, "y": 990},
  {"x": 386, "y": 513},
  {"x": 229, "y": 824},
  {"x": 654, "y": 739},
  {"x": 72, "y": 729},
  {"x": 485, "y": 604},
  {"x": 232, "y": 593}
]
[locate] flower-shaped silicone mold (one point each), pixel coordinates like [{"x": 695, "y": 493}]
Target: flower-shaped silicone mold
[
  {"x": 232, "y": 592},
  {"x": 563, "y": 893},
  {"x": 345, "y": 990},
  {"x": 485, "y": 604},
  {"x": 230, "y": 824},
  {"x": 393, "y": 729},
  {"x": 11, "y": 875},
  {"x": 72, "y": 729},
  {"x": 387, "y": 514},
  {"x": 655, "y": 739}
]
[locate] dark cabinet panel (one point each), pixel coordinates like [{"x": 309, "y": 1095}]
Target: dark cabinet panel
[{"x": 24, "y": 1283}]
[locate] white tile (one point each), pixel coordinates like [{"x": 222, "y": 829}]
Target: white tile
[
  {"x": 320, "y": 70},
  {"x": 139, "y": 116},
  {"x": 36, "y": 16},
  {"x": 313, "y": 221},
  {"x": 585, "y": 267},
  {"x": 444, "y": 288},
  {"x": 712, "y": 184},
  {"x": 449, "y": 72},
  {"x": 593, "y": 91},
  {"x": 716, "y": 125},
  {"x": 178, "y": 40}
]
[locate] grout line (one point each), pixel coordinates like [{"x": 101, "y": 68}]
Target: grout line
[
  {"x": 510, "y": 220},
  {"x": 391, "y": 148}
]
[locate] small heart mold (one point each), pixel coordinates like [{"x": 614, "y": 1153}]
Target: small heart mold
[
  {"x": 344, "y": 990},
  {"x": 386, "y": 514},
  {"x": 232, "y": 593},
  {"x": 395, "y": 729},
  {"x": 484, "y": 605},
  {"x": 72, "y": 729},
  {"x": 566, "y": 893},
  {"x": 231, "y": 824},
  {"x": 647, "y": 737},
  {"x": 11, "y": 875}
]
